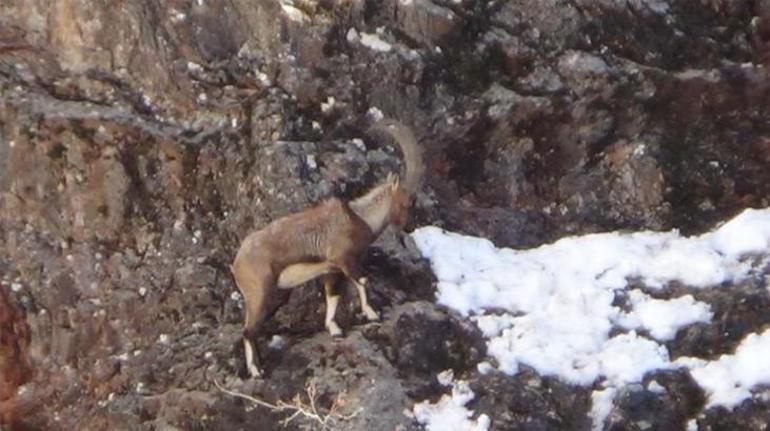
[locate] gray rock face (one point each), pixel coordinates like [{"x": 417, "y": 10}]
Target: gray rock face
[
  {"x": 141, "y": 141},
  {"x": 664, "y": 401}
]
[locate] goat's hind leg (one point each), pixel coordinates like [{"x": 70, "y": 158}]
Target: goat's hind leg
[
  {"x": 350, "y": 269},
  {"x": 369, "y": 312},
  {"x": 256, "y": 287}
]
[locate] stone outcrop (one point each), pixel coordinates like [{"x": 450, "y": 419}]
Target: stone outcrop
[{"x": 140, "y": 141}]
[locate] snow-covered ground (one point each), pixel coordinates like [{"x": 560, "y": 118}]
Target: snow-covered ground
[
  {"x": 450, "y": 413},
  {"x": 559, "y": 304}
]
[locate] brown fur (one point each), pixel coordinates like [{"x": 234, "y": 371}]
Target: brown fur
[{"x": 322, "y": 241}]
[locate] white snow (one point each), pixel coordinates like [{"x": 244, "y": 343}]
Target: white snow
[
  {"x": 746, "y": 233},
  {"x": 327, "y": 106},
  {"x": 177, "y": 16},
  {"x": 276, "y": 343},
  {"x": 559, "y": 298},
  {"x": 449, "y": 413},
  {"x": 484, "y": 367},
  {"x": 194, "y": 67},
  {"x": 601, "y": 405},
  {"x": 375, "y": 114},
  {"x": 664, "y": 317},
  {"x": 263, "y": 78},
  {"x": 359, "y": 143},
  {"x": 372, "y": 41},
  {"x": 729, "y": 379},
  {"x": 655, "y": 387},
  {"x": 352, "y": 35},
  {"x": 628, "y": 357}
]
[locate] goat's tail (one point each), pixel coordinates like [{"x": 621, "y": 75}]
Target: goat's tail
[{"x": 410, "y": 150}]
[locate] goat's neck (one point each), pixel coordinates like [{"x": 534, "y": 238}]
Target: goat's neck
[{"x": 374, "y": 207}]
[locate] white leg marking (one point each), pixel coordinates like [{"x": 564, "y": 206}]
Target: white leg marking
[
  {"x": 331, "y": 309},
  {"x": 253, "y": 370},
  {"x": 369, "y": 312}
]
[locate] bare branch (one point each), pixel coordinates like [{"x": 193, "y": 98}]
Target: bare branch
[{"x": 300, "y": 409}]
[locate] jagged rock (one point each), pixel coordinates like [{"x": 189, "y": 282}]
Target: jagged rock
[
  {"x": 664, "y": 400},
  {"x": 140, "y": 142},
  {"x": 528, "y": 401},
  {"x": 421, "y": 340},
  {"x": 15, "y": 366},
  {"x": 751, "y": 414},
  {"x": 426, "y": 21}
]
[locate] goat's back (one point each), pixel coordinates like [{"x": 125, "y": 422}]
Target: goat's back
[{"x": 309, "y": 236}]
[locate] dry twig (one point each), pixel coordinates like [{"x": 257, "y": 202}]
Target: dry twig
[{"x": 298, "y": 408}]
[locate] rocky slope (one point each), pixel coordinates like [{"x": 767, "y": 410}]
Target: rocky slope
[{"x": 140, "y": 141}]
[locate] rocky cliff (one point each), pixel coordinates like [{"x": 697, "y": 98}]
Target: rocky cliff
[{"x": 140, "y": 141}]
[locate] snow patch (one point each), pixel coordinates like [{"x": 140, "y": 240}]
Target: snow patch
[
  {"x": 655, "y": 387},
  {"x": 177, "y": 16},
  {"x": 729, "y": 380},
  {"x": 747, "y": 233},
  {"x": 484, "y": 367},
  {"x": 560, "y": 303},
  {"x": 352, "y": 36},
  {"x": 327, "y": 106},
  {"x": 359, "y": 143},
  {"x": 664, "y": 317},
  {"x": 375, "y": 114},
  {"x": 601, "y": 406},
  {"x": 628, "y": 357},
  {"x": 372, "y": 41},
  {"x": 450, "y": 413},
  {"x": 194, "y": 67},
  {"x": 276, "y": 343}
]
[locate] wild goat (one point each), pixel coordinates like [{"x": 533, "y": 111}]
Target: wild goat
[{"x": 323, "y": 241}]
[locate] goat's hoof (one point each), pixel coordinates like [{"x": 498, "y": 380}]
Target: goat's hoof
[
  {"x": 334, "y": 330},
  {"x": 254, "y": 372},
  {"x": 372, "y": 315}
]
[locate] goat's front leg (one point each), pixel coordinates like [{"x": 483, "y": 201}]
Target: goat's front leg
[
  {"x": 332, "y": 299},
  {"x": 350, "y": 269}
]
